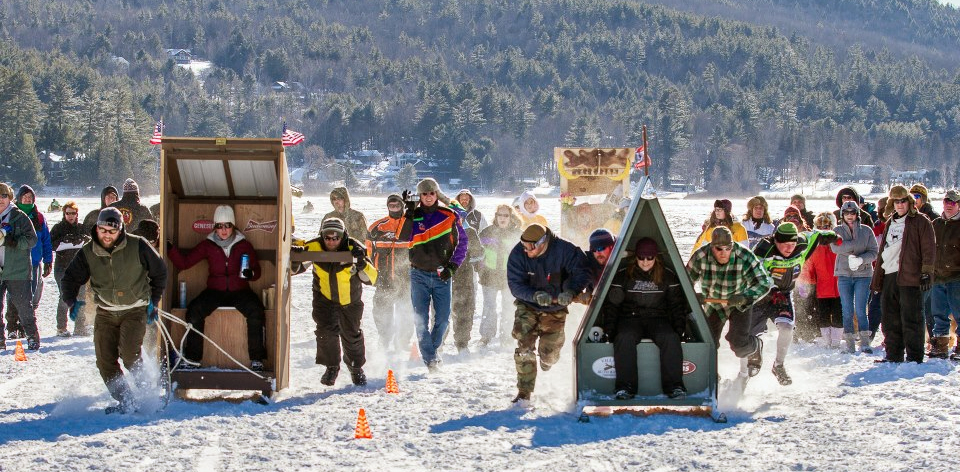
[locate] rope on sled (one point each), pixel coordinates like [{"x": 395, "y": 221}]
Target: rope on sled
[{"x": 189, "y": 327}]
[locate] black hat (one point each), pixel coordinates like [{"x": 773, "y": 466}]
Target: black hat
[{"x": 111, "y": 217}]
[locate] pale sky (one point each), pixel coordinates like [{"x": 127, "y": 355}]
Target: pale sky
[{"x": 955, "y": 3}]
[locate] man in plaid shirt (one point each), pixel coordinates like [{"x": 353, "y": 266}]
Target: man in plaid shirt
[{"x": 731, "y": 279}]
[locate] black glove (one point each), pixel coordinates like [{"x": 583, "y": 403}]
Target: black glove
[
  {"x": 738, "y": 301},
  {"x": 447, "y": 272},
  {"x": 169, "y": 246},
  {"x": 246, "y": 273},
  {"x": 565, "y": 298},
  {"x": 829, "y": 237},
  {"x": 358, "y": 252},
  {"x": 297, "y": 249},
  {"x": 680, "y": 325},
  {"x": 542, "y": 298},
  {"x": 925, "y": 282},
  {"x": 408, "y": 202},
  {"x": 361, "y": 264}
]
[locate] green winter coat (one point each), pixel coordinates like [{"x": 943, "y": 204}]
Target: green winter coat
[{"x": 16, "y": 258}]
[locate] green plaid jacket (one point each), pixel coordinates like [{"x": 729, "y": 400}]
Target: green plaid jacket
[{"x": 743, "y": 274}]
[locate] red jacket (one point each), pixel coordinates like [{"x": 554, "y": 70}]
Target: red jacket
[
  {"x": 223, "y": 274},
  {"x": 818, "y": 270}
]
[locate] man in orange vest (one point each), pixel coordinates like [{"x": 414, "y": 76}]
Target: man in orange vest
[{"x": 391, "y": 301}]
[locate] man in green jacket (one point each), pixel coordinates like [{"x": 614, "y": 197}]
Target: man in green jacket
[
  {"x": 17, "y": 238},
  {"x": 127, "y": 277}
]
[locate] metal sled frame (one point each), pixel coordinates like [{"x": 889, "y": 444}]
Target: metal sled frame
[
  {"x": 593, "y": 362},
  {"x": 197, "y": 175}
]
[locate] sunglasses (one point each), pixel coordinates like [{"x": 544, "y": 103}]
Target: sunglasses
[
  {"x": 722, "y": 248},
  {"x": 917, "y": 196},
  {"x": 70, "y": 213},
  {"x": 531, "y": 246},
  {"x": 903, "y": 200},
  {"x": 600, "y": 249},
  {"x": 947, "y": 201},
  {"x": 428, "y": 193},
  {"x": 4, "y": 195},
  {"x": 110, "y": 231},
  {"x": 646, "y": 258},
  {"x": 394, "y": 205},
  {"x": 223, "y": 225},
  {"x": 331, "y": 238}
]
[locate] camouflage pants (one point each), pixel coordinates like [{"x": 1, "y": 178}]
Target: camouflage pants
[{"x": 530, "y": 325}]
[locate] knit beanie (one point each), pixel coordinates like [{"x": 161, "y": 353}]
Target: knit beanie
[
  {"x": 533, "y": 233},
  {"x": 332, "y": 224},
  {"x": 600, "y": 239},
  {"x": 646, "y": 247},
  {"x": 130, "y": 186},
  {"x": 111, "y": 217},
  {"x": 786, "y": 232},
  {"x": 224, "y": 214},
  {"x": 721, "y": 236}
]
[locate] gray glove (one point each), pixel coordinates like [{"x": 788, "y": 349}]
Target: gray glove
[
  {"x": 565, "y": 298},
  {"x": 542, "y": 298}
]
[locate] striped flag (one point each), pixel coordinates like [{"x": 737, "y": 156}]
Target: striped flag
[
  {"x": 290, "y": 137},
  {"x": 157, "y": 133}
]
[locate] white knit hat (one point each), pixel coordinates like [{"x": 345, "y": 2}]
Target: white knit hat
[{"x": 224, "y": 214}]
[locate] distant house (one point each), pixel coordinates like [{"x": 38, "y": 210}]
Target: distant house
[
  {"x": 52, "y": 166},
  {"x": 369, "y": 156},
  {"x": 909, "y": 177},
  {"x": 120, "y": 62},
  {"x": 181, "y": 56}
]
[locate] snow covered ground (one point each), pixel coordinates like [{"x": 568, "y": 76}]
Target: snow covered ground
[{"x": 843, "y": 412}]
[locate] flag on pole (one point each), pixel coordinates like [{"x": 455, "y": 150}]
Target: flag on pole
[
  {"x": 290, "y": 137},
  {"x": 157, "y": 133},
  {"x": 641, "y": 158}
]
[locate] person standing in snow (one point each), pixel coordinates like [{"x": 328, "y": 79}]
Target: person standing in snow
[
  {"x": 17, "y": 239},
  {"x": 601, "y": 247},
  {"x": 645, "y": 300},
  {"x": 473, "y": 216},
  {"x": 721, "y": 216},
  {"x": 391, "y": 258},
  {"x": 732, "y": 279},
  {"x": 228, "y": 284},
  {"x": 757, "y": 220},
  {"x": 66, "y": 237},
  {"x": 946, "y": 290},
  {"x": 922, "y": 202},
  {"x": 528, "y": 206},
  {"x": 127, "y": 278},
  {"x": 849, "y": 194},
  {"x": 800, "y": 203},
  {"x": 497, "y": 241},
  {"x": 854, "y": 269},
  {"x": 817, "y": 276},
  {"x": 108, "y": 195},
  {"x": 438, "y": 247},
  {"x": 130, "y": 207},
  {"x": 354, "y": 221},
  {"x": 545, "y": 273},
  {"x": 42, "y": 252},
  {"x": 337, "y": 303}
]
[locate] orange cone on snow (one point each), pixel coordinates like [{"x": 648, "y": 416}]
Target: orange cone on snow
[
  {"x": 414, "y": 352},
  {"x": 363, "y": 429},
  {"x": 392, "y": 386},
  {"x": 18, "y": 354}
]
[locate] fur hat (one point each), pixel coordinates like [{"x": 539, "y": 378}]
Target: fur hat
[
  {"x": 224, "y": 214},
  {"x": 601, "y": 239},
  {"x": 757, "y": 200},
  {"x": 646, "y": 247},
  {"x": 430, "y": 185},
  {"x": 786, "y": 232},
  {"x": 721, "y": 236},
  {"x": 534, "y": 233},
  {"x": 727, "y": 205},
  {"x": 111, "y": 217},
  {"x": 898, "y": 192},
  {"x": 130, "y": 186},
  {"x": 25, "y": 189},
  {"x": 332, "y": 224},
  {"x": 798, "y": 197},
  {"x": 920, "y": 189},
  {"x": 148, "y": 229},
  {"x": 827, "y": 218}
]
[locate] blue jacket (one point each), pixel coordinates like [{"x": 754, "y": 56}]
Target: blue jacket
[
  {"x": 43, "y": 249},
  {"x": 563, "y": 266}
]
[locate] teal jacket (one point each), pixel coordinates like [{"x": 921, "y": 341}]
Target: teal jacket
[{"x": 21, "y": 237}]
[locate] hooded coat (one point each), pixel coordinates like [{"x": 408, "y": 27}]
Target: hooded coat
[
  {"x": 42, "y": 250},
  {"x": 354, "y": 221},
  {"x": 132, "y": 210},
  {"x": 473, "y": 216},
  {"x": 865, "y": 217},
  {"x": 90, "y": 220}
]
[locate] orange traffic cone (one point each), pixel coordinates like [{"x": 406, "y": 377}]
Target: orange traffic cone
[
  {"x": 363, "y": 429},
  {"x": 18, "y": 354},
  {"x": 392, "y": 386},
  {"x": 414, "y": 352}
]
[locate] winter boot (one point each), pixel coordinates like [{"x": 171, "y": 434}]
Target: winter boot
[
  {"x": 434, "y": 365},
  {"x": 956, "y": 352},
  {"x": 780, "y": 372},
  {"x": 358, "y": 377},
  {"x": 522, "y": 396},
  {"x": 623, "y": 395},
  {"x": 330, "y": 375},
  {"x": 836, "y": 337},
  {"x": 851, "y": 340},
  {"x": 824, "y": 339},
  {"x": 755, "y": 360},
  {"x": 865, "y": 342},
  {"x": 939, "y": 347},
  {"x": 678, "y": 393},
  {"x": 63, "y": 333},
  {"x": 256, "y": 366}
]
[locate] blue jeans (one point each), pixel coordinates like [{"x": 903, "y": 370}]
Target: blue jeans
[
  {"x": 946, "y": 301},
  {"x": 853, "y": 301},
  {"x": 424, "y": 287}
]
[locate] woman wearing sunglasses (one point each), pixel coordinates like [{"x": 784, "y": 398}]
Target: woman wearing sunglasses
[
  {"x": 497, "y": 241},
  {"x": 645, "y": 301},
  {"x": 228, "y": 284},
  {"x": 66, "y": 237}
]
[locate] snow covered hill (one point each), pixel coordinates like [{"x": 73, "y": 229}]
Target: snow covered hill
[{"x": 843, "y": 412}]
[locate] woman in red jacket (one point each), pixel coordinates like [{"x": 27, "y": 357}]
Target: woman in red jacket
[
  {"x": 819, "y": 271},
  {"x": 228, "y": 284}
]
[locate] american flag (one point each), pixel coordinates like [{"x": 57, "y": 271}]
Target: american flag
[
  {"x": 157, "y": 133},
  {"x": 290, "y": 137},
  {"x": 643, "y": 160}
]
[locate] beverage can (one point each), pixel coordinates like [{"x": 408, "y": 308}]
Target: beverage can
[
  {"x": 244, "y": 264},
  {"x": 439, "y": 271},
  {"x": 183, "y": 294}
]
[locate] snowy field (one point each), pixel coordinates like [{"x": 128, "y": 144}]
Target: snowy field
[{"x": 842, "y": 413}]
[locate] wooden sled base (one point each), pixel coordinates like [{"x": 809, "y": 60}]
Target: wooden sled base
[
  {"x": 222, "y": 380},
  {"x": 643, "y": 411}
]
